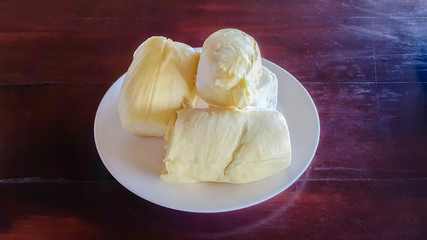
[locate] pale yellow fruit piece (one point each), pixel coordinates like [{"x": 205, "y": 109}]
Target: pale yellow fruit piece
[
  {"x": 266, "y": 94},
  {"x": 160, "y": 80},
  {"x": 226, "y": 145},
  {"x": 229, "y": 68}
]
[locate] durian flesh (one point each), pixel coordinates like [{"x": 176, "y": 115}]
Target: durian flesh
[
  {"x": 266, "y": 94},
  {"x": 225, "y": 145},
  {"x": 159, "y": 81},
  {"x": 229, "y": 69}
]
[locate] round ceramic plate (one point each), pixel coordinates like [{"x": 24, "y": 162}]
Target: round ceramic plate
[{"x": 136, "y": 161}]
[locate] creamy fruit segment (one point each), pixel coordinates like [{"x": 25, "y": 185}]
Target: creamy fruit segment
[
  {"x": 226, "y": 145},
  {"x": 266, "y": 95},
  {"x": 229, "y": 69},
  {"x": 159, "y": 81}
]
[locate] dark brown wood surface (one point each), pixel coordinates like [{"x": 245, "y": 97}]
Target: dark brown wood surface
[{"x": 363, "y": 62}]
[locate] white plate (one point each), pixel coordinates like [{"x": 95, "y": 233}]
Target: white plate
[{"x": 136, "y": 162}]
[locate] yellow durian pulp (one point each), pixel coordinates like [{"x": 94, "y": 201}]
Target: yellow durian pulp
[
  {"x": 226, "y": 145},
  {"x": 229, "y": 69},
  {"x": 159, "y": 81}
]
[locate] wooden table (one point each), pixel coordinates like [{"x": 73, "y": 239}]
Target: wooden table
[{"x": 363, "y": 62}]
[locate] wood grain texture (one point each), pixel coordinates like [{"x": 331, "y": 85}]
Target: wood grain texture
[
  {"x": 363, "y": 62},
  {"x": 387, "y": 209}
]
